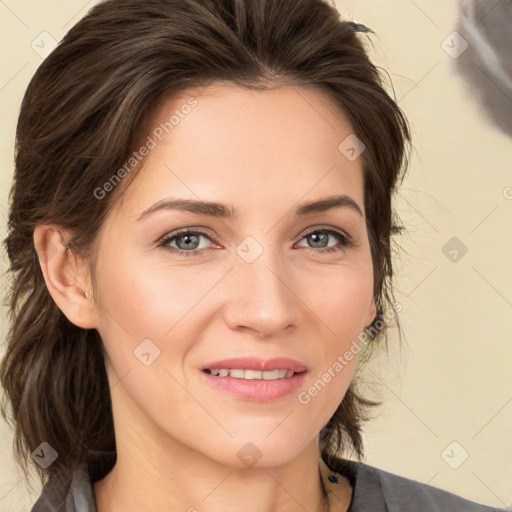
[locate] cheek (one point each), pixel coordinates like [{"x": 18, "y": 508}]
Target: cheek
[
  {"x": 340, "y": 304},
  {"x": 162, "y": 303},
  {"x": 341, "y": 299},
  {"x": 149, "y": 298},
  {"x": 156, "y": 304}
]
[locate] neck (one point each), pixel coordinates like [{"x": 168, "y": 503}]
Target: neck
[{"x": 179, "y": 479}]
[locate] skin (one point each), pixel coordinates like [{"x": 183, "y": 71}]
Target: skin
[{"x": 262, "y": 153}]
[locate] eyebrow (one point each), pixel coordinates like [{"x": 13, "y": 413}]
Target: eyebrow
[{"x": 213, "y": 209}]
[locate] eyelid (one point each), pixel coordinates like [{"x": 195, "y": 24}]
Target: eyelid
[
  {"x": 199, "y": 230},
  {"x": 210, "y": 233},
  {"x": 316, "y": 228}
]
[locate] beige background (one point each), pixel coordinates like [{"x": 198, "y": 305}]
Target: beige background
[{"x": 452, "y": 381}]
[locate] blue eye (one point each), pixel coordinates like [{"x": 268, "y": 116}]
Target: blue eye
[
  {"x": 192, "y": 240},
  {"x": 345, "y": 240}
]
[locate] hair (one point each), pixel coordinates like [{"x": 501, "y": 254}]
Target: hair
[{"x": 85, "y": 111}]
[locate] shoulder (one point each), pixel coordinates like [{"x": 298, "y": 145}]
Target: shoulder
[
  {"x": 72, "y": 491},
  {"x": 379, "y": 490},
  {"x": 66, "y": 493}
]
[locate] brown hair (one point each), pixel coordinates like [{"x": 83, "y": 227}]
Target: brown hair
[{"x": 85, "y": 111}]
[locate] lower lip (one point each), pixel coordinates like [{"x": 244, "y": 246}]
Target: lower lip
[{"x": 257, "y": 389}]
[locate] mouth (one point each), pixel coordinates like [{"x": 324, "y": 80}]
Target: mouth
[
  {"x": 254, "y": 385},
  {"x": 250, "y": 374},
  {"x": 255, "y": 379}
]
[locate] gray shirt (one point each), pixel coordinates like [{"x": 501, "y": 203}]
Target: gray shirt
[{"x": 374, "y": 490}]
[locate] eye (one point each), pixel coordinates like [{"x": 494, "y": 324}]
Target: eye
[
  {"x": 188, "y": 242},
  {"x": 320, "y": 239}
]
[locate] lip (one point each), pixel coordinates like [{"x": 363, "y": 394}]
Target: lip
[
  {"x": 254, "y": 363},
  {"x": 255, "y": 389}
]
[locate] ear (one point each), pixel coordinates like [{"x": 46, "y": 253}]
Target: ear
[
  {"x": 67, "y": 277},
  {"x": 372, "y": 311}
]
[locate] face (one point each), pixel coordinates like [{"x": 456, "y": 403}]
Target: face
[{"x": 264, "y": 280}]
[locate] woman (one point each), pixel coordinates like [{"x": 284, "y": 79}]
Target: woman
[{"x": 200, "y": 240}]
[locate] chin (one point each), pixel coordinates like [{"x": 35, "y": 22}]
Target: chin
[{"x": 256, "y": 452}]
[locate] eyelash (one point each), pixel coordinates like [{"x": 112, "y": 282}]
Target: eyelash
[{"x": 346, "y": 241}]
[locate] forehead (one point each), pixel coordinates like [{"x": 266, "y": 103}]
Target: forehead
[{"x": 228, "y": 142}]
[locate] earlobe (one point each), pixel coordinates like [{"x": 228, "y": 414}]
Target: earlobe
[
  {"x": 372, "y": 311},
  {"x": 66, "y": 277}
]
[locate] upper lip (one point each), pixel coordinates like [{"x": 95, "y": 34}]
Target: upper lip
[{"x": 254, "y": 363}]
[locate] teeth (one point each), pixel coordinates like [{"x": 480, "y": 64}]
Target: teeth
[{"x": 252, "y": 374}]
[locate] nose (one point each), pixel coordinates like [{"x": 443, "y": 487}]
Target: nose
[{"x": 261, "y": 296}]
